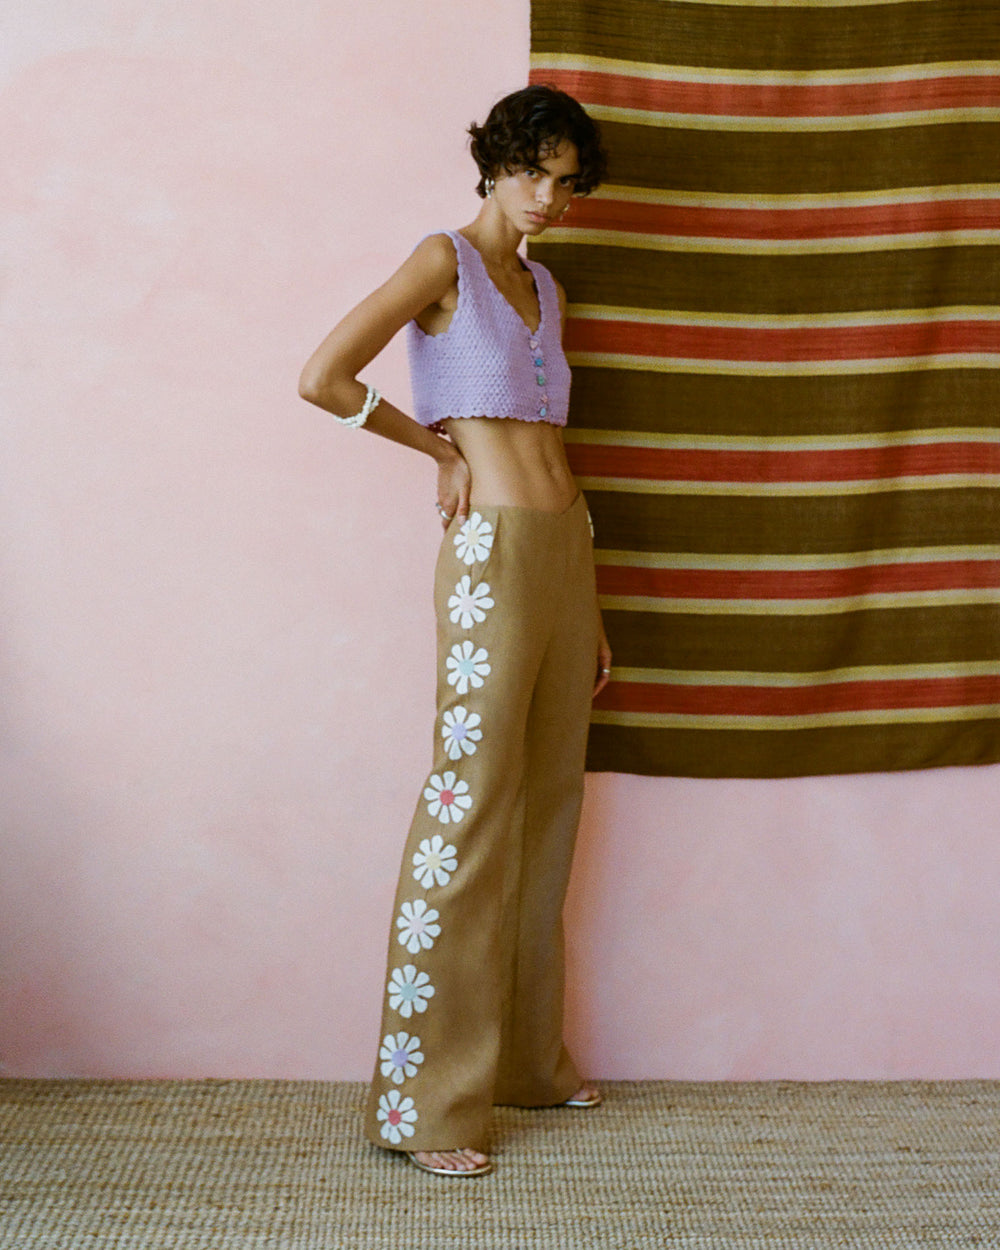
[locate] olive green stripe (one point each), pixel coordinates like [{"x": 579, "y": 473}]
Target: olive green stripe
[
  {"x": 799, "y": 681},
  {"x": 740, "y": 524},
  {"x": 740, "y": 37},
  {"x": 985, "y": 553},
  {"x": 820, "y": 606},
  {"x": 842, "y": 123},
  {"x": 766, "y": 285},
  {"x": 801, "y": 490},
  {"x": 768, "y": 443},
  {"x": 720, "y": 405},
  {"x": 740, "y": 163},
  {"x": 791, "y": 753},
  {"x": 812, "y": 720},
  {"x": 840, "y": 245},
  {"x": 959, "y": 634}
]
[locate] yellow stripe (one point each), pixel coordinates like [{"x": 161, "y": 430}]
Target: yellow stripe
[
  {"x": 822, "y": 720},
  {"x": 940, "y": 315},
  {"x": 697, "y": 561},
  {"x": 808, "y": 489},
  {"x": 794, "y": 681},
  {"x": 800, "y": 607},
  {"x": 761, "y": 77},
  {"x": 844, "y": 122},
  {"x": 795, "y": 200},
  {"x": 821, "y": 246},
  {"x": 799, "y": 442},
  {"x": 785, "y": 368}
]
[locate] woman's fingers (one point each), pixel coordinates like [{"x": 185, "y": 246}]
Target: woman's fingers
[
  {"x": 454, "y": 487},
  {"x": 462, "y": 507}
]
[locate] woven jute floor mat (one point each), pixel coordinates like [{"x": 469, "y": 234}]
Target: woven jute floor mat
[{"x": 281, "y": 1165}]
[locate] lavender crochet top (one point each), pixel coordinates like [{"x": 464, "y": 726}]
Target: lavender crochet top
[{"x": 488, "y": 363}]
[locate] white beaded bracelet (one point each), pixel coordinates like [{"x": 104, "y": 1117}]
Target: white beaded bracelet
[{"x": 372, "y": 399}]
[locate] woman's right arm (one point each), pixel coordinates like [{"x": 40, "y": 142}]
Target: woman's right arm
[{"x": 329, "y": 378}]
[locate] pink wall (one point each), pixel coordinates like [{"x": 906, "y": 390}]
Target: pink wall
[{"x": 212, "y": 600}]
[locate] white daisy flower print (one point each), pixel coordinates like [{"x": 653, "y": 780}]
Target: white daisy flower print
[
  {"x": 447, "y": 799},
  {"x": 398, "y": 1116},
  {"x": 469, "y": 603},
  {"x": 467, "y": 666},
  {"x": 434, "y": 862},
  {"x": 461, "y": 732},
  {"x": 400, "y": 1055},
  {"x": 474, "y": 539},
  {"x": 409, "y": 990},
  {"x": 417, "y": 924}
]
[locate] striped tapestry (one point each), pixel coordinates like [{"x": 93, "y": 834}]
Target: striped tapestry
[{"x": 785, "y": 334}]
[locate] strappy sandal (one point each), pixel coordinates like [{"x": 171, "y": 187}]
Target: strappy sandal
[
  {"x": 595, "y": 1101},
  {"x": 481, "y": 1170}
]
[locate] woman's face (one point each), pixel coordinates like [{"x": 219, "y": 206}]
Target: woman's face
[{"x": 534, "y": 197}]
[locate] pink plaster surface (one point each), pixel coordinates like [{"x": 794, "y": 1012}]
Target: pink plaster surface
[{"x": 216, "y": 636}]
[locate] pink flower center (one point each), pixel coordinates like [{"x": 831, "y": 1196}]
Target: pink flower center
[
  {"x": 447, "y": 797},
  {"x": 394, "y": 1117}
]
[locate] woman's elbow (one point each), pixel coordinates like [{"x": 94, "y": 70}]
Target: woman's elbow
[
  {"x": 320, "y": 387},
  {"x": 311, "y": 385}
]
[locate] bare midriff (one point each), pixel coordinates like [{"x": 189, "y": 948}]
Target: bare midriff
[{"x": 515, "y": 462}]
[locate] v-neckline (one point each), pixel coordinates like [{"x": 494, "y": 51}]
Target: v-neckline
[{"x": 533, "y": 334}]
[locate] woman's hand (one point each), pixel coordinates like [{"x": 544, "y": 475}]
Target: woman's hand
[
  {"x": 454, "y": 487},
  {"x": 603, "y": 658}
]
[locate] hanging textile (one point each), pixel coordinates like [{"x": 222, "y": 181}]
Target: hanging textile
[{"x": 784, "y": 327}]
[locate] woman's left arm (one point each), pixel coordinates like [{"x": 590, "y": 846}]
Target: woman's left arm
[{"x": 603, "y": 674}]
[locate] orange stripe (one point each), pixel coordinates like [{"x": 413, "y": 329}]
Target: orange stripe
[
  {"x": 633, "y": 338},
  {"x": 847, "y": 696},
  {"x": 728, "y": 99},
  {"x": 785, "y": 223},
  {"x": 768, "y": 584},
  {"x": 847, "y": 465}
]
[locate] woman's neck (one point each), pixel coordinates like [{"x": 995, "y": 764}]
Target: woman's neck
[{"x": 493, "y": 236}]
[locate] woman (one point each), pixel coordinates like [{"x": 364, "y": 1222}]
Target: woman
[{"x": 473, "y": 1008}]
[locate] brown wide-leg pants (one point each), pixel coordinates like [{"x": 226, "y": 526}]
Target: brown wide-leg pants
[{"x": 474, "y": 991}]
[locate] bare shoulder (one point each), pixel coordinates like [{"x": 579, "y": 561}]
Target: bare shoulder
[
  {"x": 425, "y": 277},
  {"x": 435, "y": 256}
]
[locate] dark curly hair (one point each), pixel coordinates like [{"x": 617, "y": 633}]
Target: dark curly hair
[{"x": 527, "y": 124}]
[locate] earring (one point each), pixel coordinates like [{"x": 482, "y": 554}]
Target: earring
[
  {"x": 490, "y": 184},
  {"x": 563, "y": 211}
]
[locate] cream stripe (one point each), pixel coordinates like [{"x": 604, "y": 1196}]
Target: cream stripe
[
  {"x": 785, "y": 368},
  {"x": 800, "y": 607},
  {"x": 823, "y": 245},
  {"x": 844, "y": 123},
  {"x": 798, "y": 490},
  {"x": 940, "y": 315},
  {"x": 793, "y": 681},
  {"x": 769, "y": 77},
  {"x": 795, "y": 200},
  {"x": 800, "y": 442},
  {"x": 819, "y": 561},
  {"x": 893, "y": 716}
]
